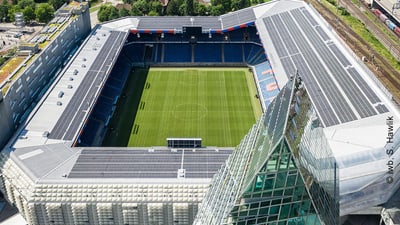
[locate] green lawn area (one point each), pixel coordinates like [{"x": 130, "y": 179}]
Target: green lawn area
[{"x": 213, "y": 104}]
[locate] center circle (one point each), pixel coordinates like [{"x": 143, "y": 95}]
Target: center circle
[{"x": 189, "y": 112}]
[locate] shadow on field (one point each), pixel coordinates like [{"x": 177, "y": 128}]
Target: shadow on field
[{"x": 121, "y": 123}]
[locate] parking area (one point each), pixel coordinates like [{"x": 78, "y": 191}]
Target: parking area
[{"x": 11, "y": 36}]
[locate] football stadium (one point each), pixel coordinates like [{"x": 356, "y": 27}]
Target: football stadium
[
  {"x": 258, "y": 116},
  {"x": 166, "y": 108}
]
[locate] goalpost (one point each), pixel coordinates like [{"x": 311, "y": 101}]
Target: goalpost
[{"x": 184, "y": 142}]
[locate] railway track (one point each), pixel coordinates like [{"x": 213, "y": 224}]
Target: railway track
[{"x": 376, "y": 63}]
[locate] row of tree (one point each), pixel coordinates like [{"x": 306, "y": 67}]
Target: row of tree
[
  {"x": 174, "y": 8},
  {"x": 41, "y": 12}
]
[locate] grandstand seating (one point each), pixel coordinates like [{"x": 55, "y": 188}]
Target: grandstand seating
[
  {"x": 208, "y": 53},
  {"x": 105, "y": 104},
  {"x": 266, "y": 82},
  {"x": 158, "y": 53},
  {"x": 134, "y": 52},
  {"x": 173, "y": 38},
  {"x": 254, "y": 54},
  {"x": 92, "y": 129},
  {"x": 177, "y": 53},
  {"x": 233, "y": 53},
  {"x": 212, "y": 38},
  {"x": 103, "y": 108}
]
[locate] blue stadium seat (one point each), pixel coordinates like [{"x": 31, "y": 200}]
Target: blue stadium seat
[
  {"x": 266, "y": 81},
  {"x": 254, "y": 54},
  {"x": 208, "y": 53},
  {"x": 91, "y": 130},
  {"x": 233, "y": 53},
  {"x": 177, "y": 53},
  {"x": 135, "y": 52}
]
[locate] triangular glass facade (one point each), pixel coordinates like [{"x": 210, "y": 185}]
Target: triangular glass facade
[
  {"x": 277, "y": 194},
  {"x": 269, "y": 179}
]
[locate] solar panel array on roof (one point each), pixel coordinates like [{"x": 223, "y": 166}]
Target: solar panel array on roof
[
  {"x": 173, "y": 22},
  {"x": 202, "y": 163},
  {"x": 337, "y": 90},
  {"x": 322, "y": 33},
  {"x": 363, "y": 85},
  {"x": 382, "y": 108},
  {"x": 237, "y": 18},
  {"x": 343, "y": 60},
  {"x": 72, "y": 117}
]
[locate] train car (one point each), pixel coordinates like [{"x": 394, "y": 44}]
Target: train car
[
  {"x": 383, "y": 18},
  {"x": 397, "y": 30},
  {"x": 377, "y": 12},
  {"x": 390, "y": 24}
]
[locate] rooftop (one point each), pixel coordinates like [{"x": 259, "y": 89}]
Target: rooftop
[
  {"x": 351, "y": 107},
  {"x": 11, "y": 70}
]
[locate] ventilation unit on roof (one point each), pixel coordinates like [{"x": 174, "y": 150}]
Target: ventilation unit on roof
[
  {"x": 315, "y": 123},
  {"x": 75, "y": 72},
  {"x": 60, "y": 94},
  {"x": 69, "y": 86},
  {"x": 45, "y": 134},
  {"x": 59, "y": 103},
  {"x": 83, "y": 66},
  {"x": 71, "y": 78},
  {"x": 84, "y": 59},
  {"x": 181, "y": 173}
]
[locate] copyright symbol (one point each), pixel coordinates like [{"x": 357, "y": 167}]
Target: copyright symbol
[{"x": 389, "y": 180}]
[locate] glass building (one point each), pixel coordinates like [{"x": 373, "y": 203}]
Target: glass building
[{"x": 268, "y": 180}]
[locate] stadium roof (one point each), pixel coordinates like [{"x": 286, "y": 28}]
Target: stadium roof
[
  {"x": 59, "y": 162},
  {"x": 350, "y": 105}
]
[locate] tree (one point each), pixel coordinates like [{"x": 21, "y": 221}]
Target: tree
[
  {"x": 217, "y": 10},
  {"x": 135, "y": 11},
  {"x": 173, "y": 7},
  {"x": 182, "y": 9},
  {"x": 123, "y": 12},
  {"x": 29, "y": 14},
  {"x": 107, "y": 12},
  {"x": 142, "y": 6},
  {"x": 226, "y": 5},
  {"x": 153, "y": 13},
  {"x": 44, "y": 12},
  {"x": 240, "y": 4},
  {"x": 11, "y": 11},
  {"x": 155, "y": 6},
  {"x": 102, "y": 14},
  {"x": 26, "y": 3},
  {"x": 127, "y": 1},
  {"x": 113, "y": 13},
  {"x": 56, "y": 3},
  {"x": 4, "y": 11},
  {"x": 201, "y": 9},
  {"x": 189, "y": 11}
]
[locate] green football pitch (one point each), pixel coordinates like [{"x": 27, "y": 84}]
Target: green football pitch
[{"x": 215, "y": 104}]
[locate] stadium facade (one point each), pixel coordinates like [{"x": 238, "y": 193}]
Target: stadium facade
[{"x": 318, "y": 152}]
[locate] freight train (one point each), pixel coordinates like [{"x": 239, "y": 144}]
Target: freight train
[{"x": 388, "y": 22}]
